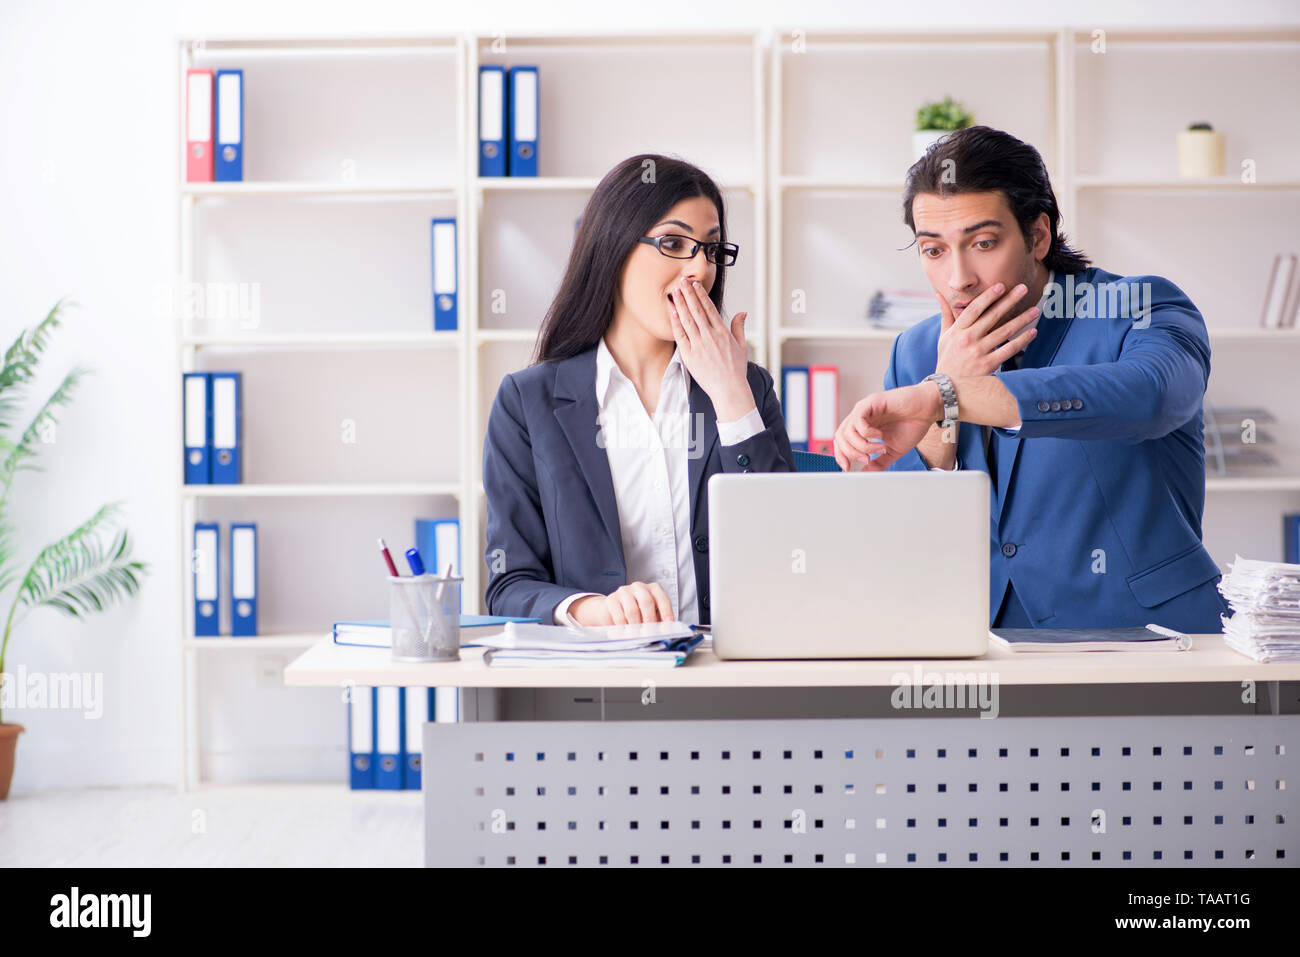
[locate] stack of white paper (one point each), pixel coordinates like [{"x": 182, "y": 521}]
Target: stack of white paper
[
  {"x": 1265, "y": 601},
  {"x": 661, "y": 644},
  {"x": 900, "y": 308}
]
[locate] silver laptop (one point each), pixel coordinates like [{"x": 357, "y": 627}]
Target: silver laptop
[{"x": 860, "y": 565}]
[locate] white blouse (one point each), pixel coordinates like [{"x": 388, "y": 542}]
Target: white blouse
[{"x": 648, "y": 458}]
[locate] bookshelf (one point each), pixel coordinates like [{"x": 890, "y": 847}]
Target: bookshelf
[
  {"x": 835, "y": 186},
  {"x": 1215, "y": 238},
  {"x": 808, "y": 137},
  {"x": 331, "y": 226},
  {"x": 520, "y": 230},
  {"x": 330, "y": 166}
]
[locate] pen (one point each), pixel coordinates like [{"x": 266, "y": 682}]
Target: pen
[
  {"x": 388, "y": 559},
  {"x": 417, "y": 569},
  {"x": 443, "y": 584},
  {"x": 406, "y": 598}
]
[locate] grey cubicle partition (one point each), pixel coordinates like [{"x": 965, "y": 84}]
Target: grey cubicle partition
[{"x": 1106, "y": 791}]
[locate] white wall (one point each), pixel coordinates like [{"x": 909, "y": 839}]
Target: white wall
[{"x": 88, "y": 114}]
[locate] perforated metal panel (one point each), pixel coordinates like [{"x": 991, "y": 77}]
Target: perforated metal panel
[{"x": 1112, "y": 791}]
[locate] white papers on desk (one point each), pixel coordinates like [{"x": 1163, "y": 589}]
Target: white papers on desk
[
  {"x": 636, "y": 658},
  {"x": 1265, "y": 601},
  {"x": 518, "y": 636},
  {"x": 649, "y": 645}
]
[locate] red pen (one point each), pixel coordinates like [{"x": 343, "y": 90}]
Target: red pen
[{"x": 388, "y": 559}]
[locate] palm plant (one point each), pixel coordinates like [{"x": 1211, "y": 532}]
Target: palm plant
[{"x": 77, "y": 574}]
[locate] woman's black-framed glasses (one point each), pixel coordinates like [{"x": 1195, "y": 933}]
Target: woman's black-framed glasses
[{"x": 676, "y": 246}]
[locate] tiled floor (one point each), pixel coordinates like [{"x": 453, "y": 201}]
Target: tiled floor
[{"x": 308, "y": 825}]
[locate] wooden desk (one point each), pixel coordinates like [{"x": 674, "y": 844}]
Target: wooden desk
[
  {"x": 1210, "y": 660},
  {"x": 1085, "y": 790}
]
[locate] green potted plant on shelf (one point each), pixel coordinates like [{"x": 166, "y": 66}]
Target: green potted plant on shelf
[
  {"x": 75, "y": 575},
  {"x": 936, "y": 119},
  {"x": 1200, "y": 152}
]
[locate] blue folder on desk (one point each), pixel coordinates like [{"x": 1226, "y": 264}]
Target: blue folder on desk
[
  {"x": 376, "y": 633},
  {"x": 669, "y": 653}
]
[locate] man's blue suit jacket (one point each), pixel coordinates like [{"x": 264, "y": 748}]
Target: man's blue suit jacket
[
  {"x": 552, "y": 518},
  {"x": 1096, "y": 517}
]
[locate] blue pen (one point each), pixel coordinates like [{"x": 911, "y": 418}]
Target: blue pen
[{"x": 417, "y": 569}]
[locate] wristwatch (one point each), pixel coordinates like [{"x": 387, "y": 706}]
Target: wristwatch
[{"x": 949, "y": 395}]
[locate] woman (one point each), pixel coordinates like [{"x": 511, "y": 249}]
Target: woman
[{"x": 598, "y": 456}]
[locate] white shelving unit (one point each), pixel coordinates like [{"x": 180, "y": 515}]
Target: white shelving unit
[
  {"x": 246, "y": 189},
  {"x": 301, "y": 490},
  {"x": 306, "y": 340},
  {"x": 839, "y": 147},
  {"x": 400, "y": 182},
  {"x": 835, "y": 180},
  {"x": 633, "y": 119},
  {"x": 1215, "y": 238},
  {"x": 293, "y": 172},
  {"x": 808, "y": 137}
]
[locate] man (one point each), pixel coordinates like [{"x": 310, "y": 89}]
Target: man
[{"x": 1078, "y": 391}]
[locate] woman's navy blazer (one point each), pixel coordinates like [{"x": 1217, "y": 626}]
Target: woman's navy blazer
[{"x": 552, "y": 518}]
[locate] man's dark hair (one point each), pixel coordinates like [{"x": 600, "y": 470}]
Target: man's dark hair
[{"x": 987, "y": 160}]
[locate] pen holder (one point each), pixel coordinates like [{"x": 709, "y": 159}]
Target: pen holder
[{"x": 425, "y": 614}]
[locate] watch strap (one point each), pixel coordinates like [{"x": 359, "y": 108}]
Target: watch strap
[{"x": 949, "y": 396}]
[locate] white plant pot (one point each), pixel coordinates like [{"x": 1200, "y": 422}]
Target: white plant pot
[
  {"x": 1200, "y": 154},
  {"x": 923, "y": 139}
]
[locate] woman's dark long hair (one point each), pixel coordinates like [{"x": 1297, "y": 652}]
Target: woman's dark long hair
[{"x": 631, "y": 199}]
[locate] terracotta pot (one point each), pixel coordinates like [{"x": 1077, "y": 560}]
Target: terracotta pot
[{"x": 8, "y": 745}]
